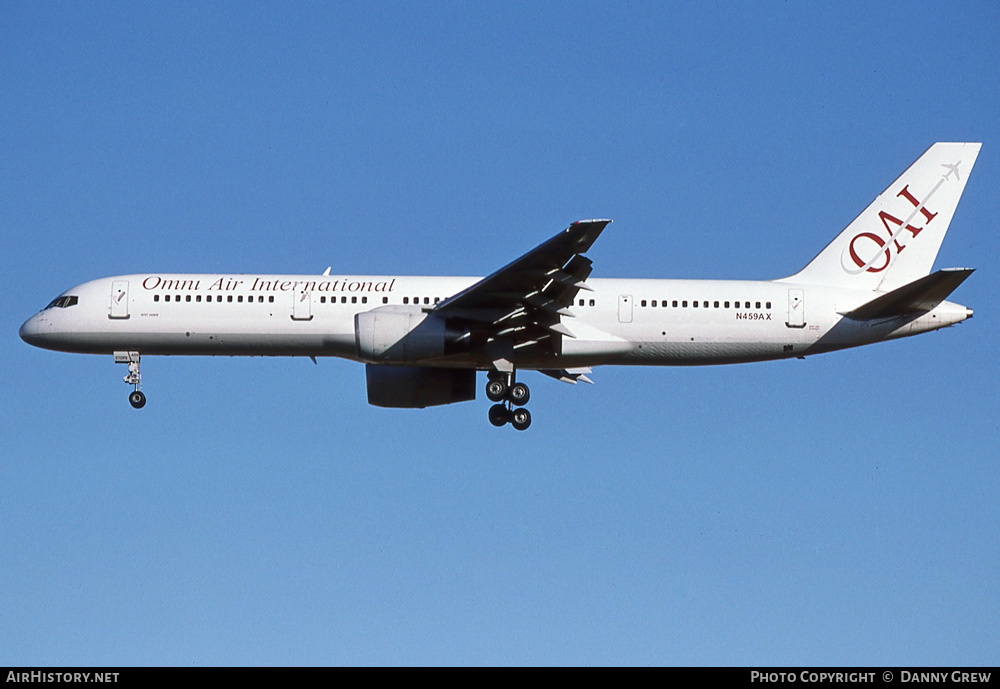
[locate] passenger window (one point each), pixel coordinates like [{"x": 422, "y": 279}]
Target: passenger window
[
  {"x": 642, "y": 303},
  {"x": 746, "y": 305},
  {"x": 675, "y": 303},
  {"x": 716, "y": 304},
  {"x": 406, "y": 300},
  {"x": 385, "y": 300},
  {"x": 156, "y": 297},
  {"x": 758, "y": 305},
  {"x": 684, "y": 304},
  {"x": 768, "y": 304},
  {"x": 354, "y": 300},
  {"x": 726, "y": 303},
  {"x": 229, "y": 299},
  {"x": 166, "y": 297},
  {"x": 364, "y": 300},
  {"x": 271, "y": 299},
  {"x": 187, "y": 298},
  {"x": 591, "y": 302}
]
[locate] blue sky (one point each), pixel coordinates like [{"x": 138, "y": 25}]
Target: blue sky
[{"x": 837, "y": 510}]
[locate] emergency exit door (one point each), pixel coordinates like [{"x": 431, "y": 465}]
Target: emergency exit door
[{"x": 625, "y": 308}]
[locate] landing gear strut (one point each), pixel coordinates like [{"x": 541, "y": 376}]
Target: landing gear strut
[
  {"x": 510, "y": 398},
  {"x": 134, "y": 377}
]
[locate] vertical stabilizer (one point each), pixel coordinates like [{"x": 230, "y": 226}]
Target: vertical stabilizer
[{"x": 896, "y": 239}]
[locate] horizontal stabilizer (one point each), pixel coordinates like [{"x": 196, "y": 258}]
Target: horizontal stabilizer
[{"x": 918, "y": 296}]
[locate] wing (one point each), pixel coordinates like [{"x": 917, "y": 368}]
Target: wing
[{"x": 522, "y": 306}]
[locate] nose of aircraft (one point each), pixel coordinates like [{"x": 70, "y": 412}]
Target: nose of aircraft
[{"x": 33, "y": 330}]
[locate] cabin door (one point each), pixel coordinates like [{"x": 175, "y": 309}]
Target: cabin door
[
  {"x": 302, "y": 306},
  {"x": 796, "y": 309},
  {"x": 119, "y": 299}
]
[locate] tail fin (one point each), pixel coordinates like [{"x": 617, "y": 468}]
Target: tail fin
[{"x": 896, "y": 239}]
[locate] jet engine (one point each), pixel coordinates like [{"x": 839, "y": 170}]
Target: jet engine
[
  {"x": 403, "y": 335},
  {"x": 418, "y": 386}
]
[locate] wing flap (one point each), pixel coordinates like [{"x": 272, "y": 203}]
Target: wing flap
[
  {"x": 523, "y": 304},
  {"x": 530, "y": 272},
  {"x": 569, "y": 375}
]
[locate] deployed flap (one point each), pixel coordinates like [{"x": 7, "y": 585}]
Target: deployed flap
[
  {"x": 919, "y": 296},
  {"x": 530, "y": 273},
  {"x": 522, "y": 304},
  {"x": 569, "y": 375}
]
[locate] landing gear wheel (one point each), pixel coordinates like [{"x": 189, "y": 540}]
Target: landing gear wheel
[
  {"x": 496, "y": 390},
  {"x": 518, "y": 394},
  {"x": 520, "y": 419},
  {"x": 134, "y": 378},
  {"x": 499, "y": 415}
]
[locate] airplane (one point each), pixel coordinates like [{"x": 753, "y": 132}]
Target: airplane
[{"x": 423, "y": 339}]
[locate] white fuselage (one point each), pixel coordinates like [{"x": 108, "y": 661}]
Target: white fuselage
[
  {"x": 422, "y": 339},
  {"x": 620, "y": 321}
]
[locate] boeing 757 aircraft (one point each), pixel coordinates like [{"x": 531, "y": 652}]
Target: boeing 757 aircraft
[{"x": 422, "y": 339}]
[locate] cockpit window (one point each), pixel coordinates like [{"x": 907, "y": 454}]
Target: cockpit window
[{"x": 62, "y": 302}]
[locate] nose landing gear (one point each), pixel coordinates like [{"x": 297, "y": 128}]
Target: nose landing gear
[
  {"x": 134, "y": 378},
  {"x": 510, "y": 398}
]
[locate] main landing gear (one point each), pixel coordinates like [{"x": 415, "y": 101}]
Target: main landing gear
[
  {"x": 510, "y": 397},
  {"x": 134, "y": 378}
]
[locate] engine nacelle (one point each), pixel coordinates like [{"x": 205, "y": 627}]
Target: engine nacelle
[
  {"x": 418, "y": 387},
  {"x": 400, "y": 335}
]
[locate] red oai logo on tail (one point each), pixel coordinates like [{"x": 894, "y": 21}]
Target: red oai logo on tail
[{"x": 873, "y": 253}]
